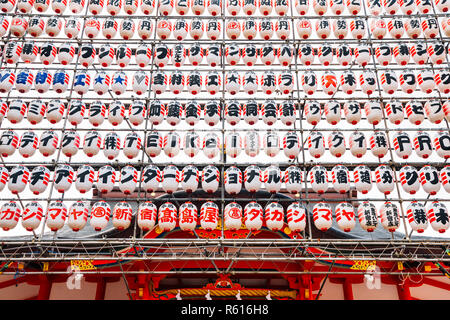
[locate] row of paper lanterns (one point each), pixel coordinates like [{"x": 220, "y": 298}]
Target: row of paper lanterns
[
  {"x": 252, "y": 217},
  {"x": 194, "y": 82},
  {"x": 249, "y": 29},
  {"x": 192, "y": 144},
  {"x": 233, "y": 7},
  {"x": 269, "y": 111},
  {"x": 177, "y": 55},
  {"x": 190, "y": 177}
]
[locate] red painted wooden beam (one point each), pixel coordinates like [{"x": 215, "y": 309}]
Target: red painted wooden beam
[
  {"x": 45, "y": 288},
  {"x": 436, "y": 283},
  {"x": 403, "y": 292},
  {"x": 101, "y": 289},
  {"x": 348, "y": 290}
]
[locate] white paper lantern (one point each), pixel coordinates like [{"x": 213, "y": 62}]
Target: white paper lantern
[
  {"x": 151, "y": 177},
  {"x": 56, "y": 215},
  {"x": 322, "y": 215},
  {"x": 209, "y": 216},
  {"x": 10, "y": 214},
  {"x": 417, "y": 216},
  {"x": 188, "y": 216},
  {"x": 85, "y": 178},
  {"x": 100, "y": 214},
  {"x": 39, "y": 179},
  {"x": 210, "y": 179},
  {"x": 147, "y": 213},
  {"x": 345, "y": 216},
  {"x": 78, "y": 215},
  {"x": 367, "y": 215},
  {"x": 362, "y": 177},
  {"x": 232, "y": 216},
  {"x": 106, "y": 178}
]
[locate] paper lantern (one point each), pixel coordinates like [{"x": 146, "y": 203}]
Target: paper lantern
[
  {"x": 249, "y": 28},
  {"x": 430, "y": 27},
  {"x": 441, "y": 144},
  {"x": 213, "y": 83},
  {"x": 106, "y": 55},
  {"x": 336, "y": 143},
  {"x": 340, "y": 178},
  {"x": 233, "y": 29},
  {"x": 445, "y": 178},
  {"x": 174, "y": 113},
  {"x": 378, "y": 144},
  {"x": 40, "y": 176},
  {"x": 323, "y": 28},
  {"x": 266, "y": 28},
  {"x": 151, "y": 177},
  {"x": 172, "y": 144},
  {"x": 305, "y": 53},
  {"x": 192, "y": 112},
  {"x": 429, "y": 179},
  {"x": 422, "y": 144},
  {"x": 232, "y": 216},
  {"x": 442, "y": 80},
  {"x": 394, "y": 111},
  {"x": 283, "y": 28},
  {"x": 320, "y": 7},
  {"x": 100, "y": 214},
  {"x": 352, "y": 112},
  {"x": 253, "y": 216},
  {"x": 267, "y": 54},
  {"x": 143, "y": 55},
  {"x": 153, "y": 143},
  {"x": 345, "y": 216},
  {"x": 233, "y": 180},
  {"x": 272, "y": 179},
  {"x": 24, "y": 80},
  {"x": 10, "y": 214},
  {"x": 340, "y": 28},
  {"x": 437, "y": 214},
  {"x": 70, "y": 143},
  {"x": 196, "y": 29},
  {"x": 147, "y": 213},
  {"x": 63, "y": 178},
  {"x": 401, "y": 54},
  {"x": 122, "y": 215},
  {"x": 189, "y": 178},
  {"x": 362, "y": 178},
  {"x": 180, "y": 29},
  {"x": 384, "y": 177},
  {"x": 319, "y": 179},
  {"x": 367, "y": 81},
  {"x": 191, "y": 144},
  {"x": 212, "y": 112},
  {"x": 210, "y": 179},
  {"x": 407, "y": 80},
  {"x": 402, "y": 145},
  {"x": 357, "y": 144},
  {"x": 170, "y": 177},
  {"x": 312, "y": 112},
  {"x": 357, "y": 26},
  {"x": 274, "y": 216},
  {"x": 188, "y": 216},
  {"x": 309, "y": 82},
  {"x": 378, "y": 28},
  {"x": 29, "y": 52},
  {"x": 128, "y": 179},
  {"x": 415, "y": 112},
  {"x": 95, "y": 6},
  {"x": 293, "y": 179},
  {"x": 332, "y": 110},
  {"x": 198, "y": 7},
  {"x": 140, "y": 82},
  {"x": 291, "y": 145},
  {"x": 32, "y": 216},
  {"x": 419, "y": 53},
  {"x": 373, "y": 112},
  {"x": 409, "y": 178},
  {"x": 329, "y": 82},
  {"x": 213, "y": 28},
  {"x": 233, "y": 112},
  {"x": 111, "y": 145},
  {"x": 48, "y": 143},
  {"x": 195, "y": 54},
  {"x": 367, "y": 215},
  {"x": 271, "y": 144},
  {"x": 322, "y": 215},
  {"x": 417, "y": 216},
  {"x": 251, "y": 143},
  {"x": 302, "y": 6},
  {"x": 209, "y": 216},
  {"x": 105, "y": 179},
  {"x": 211, "y": 145},
  {"x": 85, "y": 178},
  {"x": 316, "y": 144},
  {"x": 28, "y": 144},
  {"x": 304, "y": 28},
  {"x": 56, "y": 215},
  {"x": 11, "y": 52}
]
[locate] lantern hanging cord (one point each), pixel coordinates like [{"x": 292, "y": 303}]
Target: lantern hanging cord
[{"x": 324, "y": 280}]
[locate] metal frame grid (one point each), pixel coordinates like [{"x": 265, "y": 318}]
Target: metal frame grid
[{"x": 299, "y": 99}]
